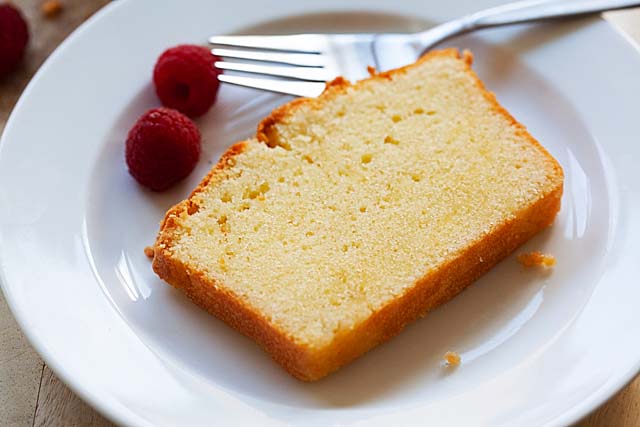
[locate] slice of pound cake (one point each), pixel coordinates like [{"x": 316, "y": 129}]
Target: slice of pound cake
[{"x": 354, "y": 213}]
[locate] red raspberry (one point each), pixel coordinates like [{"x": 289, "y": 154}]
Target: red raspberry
[
  {"x": 186, "y": 79},
  {"x": 14, "y": 36},
  {"x": 162, "y": 148}
]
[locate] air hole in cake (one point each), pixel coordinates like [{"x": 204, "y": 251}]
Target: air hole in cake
[
  {"x": 366, "y": 158},
  {"x": 416, "y": 177},
  {"x": 396, "y": 118},
  {"x": 431, "y": 113},
  {"x": 307, "y": 158},
  {"x": 391, "y": 140},
  {"x": 363, "y": 209},
  {"x": 226, "y": 198},
  {"x": 250, "y": 193},
  {"x": 418, "y": 111}
]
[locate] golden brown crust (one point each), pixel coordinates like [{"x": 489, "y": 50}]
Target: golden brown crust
[
  {"x": 521, "y": 130},
  {"x": 228, "y": 307},
  {"x": 266, "y": 128},
  {"x": 266, "y": 131},
  {"x": 214, "y": 298},
  {"x": 435, "y": 288},
  {"x": 438, "y": 287}
]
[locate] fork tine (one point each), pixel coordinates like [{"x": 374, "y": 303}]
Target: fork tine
[
  {"x": 289, "y": 87},
  {"x": 303, "y": 59},
  {"x": 301, "y": 73},
  {"x": 311, "y": 43}
]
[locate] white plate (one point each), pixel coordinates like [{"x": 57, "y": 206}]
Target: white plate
[{"x": 538, "y": 349}]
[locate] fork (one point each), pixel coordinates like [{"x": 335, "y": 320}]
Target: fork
[{"x": 301, "y": 64}]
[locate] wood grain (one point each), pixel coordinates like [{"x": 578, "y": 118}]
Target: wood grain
[
  {"x": 46, "y": 35},
  {"x": 623, "y": 410},
  {"x": 58, "y": 406},
  {"x": 30, "y": 394},
  {"x": 20, "y": 371}
]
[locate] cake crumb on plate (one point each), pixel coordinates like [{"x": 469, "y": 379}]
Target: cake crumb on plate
[
  {"x": 537, "y": 258},
  {"x": 51, "y": 8},
  {"x": 149, "y": 252},
  {"x": 451, "y": 358}
]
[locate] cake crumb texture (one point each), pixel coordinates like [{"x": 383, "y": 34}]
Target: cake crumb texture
[
  {"x": 352, "y": 214},
  {"x": 51, "y": 8},
  {"x": 452, "y": 358},
  {"x": 536, "y": 258},
  {"x": 148, "y": 251}
]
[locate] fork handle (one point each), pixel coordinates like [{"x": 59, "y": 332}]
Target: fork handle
[{"x": 536, "y": 10}]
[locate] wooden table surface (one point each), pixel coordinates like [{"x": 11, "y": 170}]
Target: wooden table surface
[{"x": 30, "y": 394}]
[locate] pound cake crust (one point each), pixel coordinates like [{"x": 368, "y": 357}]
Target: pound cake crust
[{"x": 374, "y": 310}]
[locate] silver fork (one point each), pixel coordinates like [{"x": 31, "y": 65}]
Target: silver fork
[{"x": 300, "y": 64}]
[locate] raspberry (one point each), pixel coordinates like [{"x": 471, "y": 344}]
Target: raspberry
[
  {"x": 186, "y": 79},
  {"x": 162, "y": 148},
  {"x": 14, "y": 36}
]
